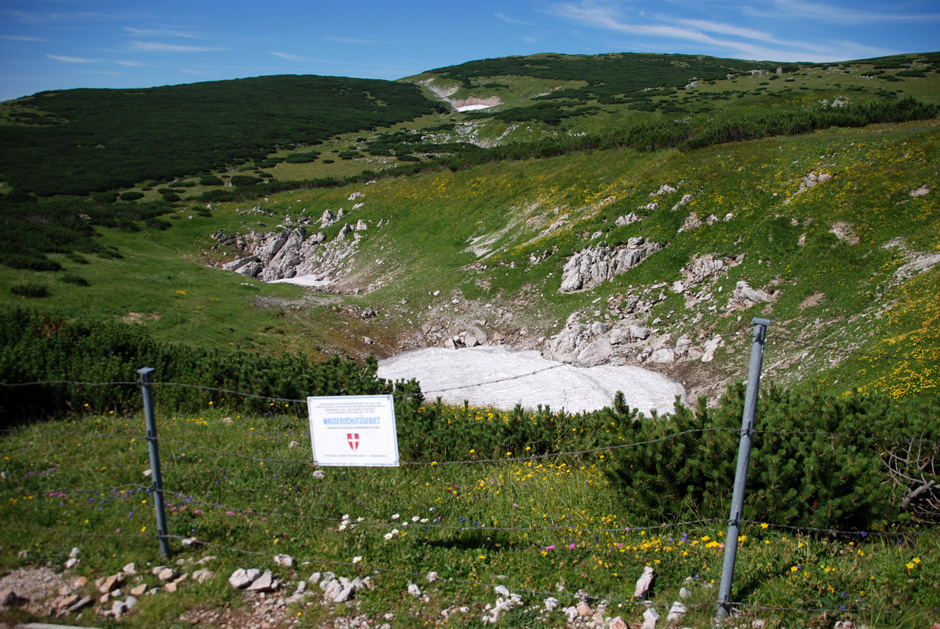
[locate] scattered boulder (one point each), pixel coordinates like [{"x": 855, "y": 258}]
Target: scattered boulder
[
  {"x": 844, "y": 231},
  {"x": 242, "y": 578},
  {"x": 686, "y": 199},
  {"x": 644, "y": 583},
  {"x": 111, "y": 583},
  {"x": 744, "y": 296},
  {"x": 650, "y": 618},
  {"x": 265, "y": 583},
  {"x": 629, "y": 219},
  {"x": 675, "y": 612},
  {"x": 711, "y": 346},
  {"x": 80, "y": 604},
  {"x": 618, "y": 623},
  {"x": 692, "y": 221},
  {"x": 139, "y": 590},
  {"x": 200, "y": 576}
]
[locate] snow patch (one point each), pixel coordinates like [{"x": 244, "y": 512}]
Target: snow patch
[{"x": 503, "y": 377}]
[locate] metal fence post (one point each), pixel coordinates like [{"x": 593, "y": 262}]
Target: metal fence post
[
  {"x": 740, "y": 475},
  {"x": 146, "y": 380}
]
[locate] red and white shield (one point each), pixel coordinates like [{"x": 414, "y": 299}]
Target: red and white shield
[{"x": 353, "y": 439}]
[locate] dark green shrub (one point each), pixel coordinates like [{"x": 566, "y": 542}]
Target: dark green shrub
[
  {"x": 71, "y": 278},
  {"x": 77, "y": 259},
  {"x": 245, "y": 180},
  {"x": 32, "y": 263},
  {"x": 30, "y": 290},
  {"x": 132, "y": 195},
  {"x": 816, "y": 460},
  {"x": 171, "y": 197},
  {"x": 218, "y": 195},
  {"x": 189, "y": 183},
  {"x": 105, "y": 197},
  {"x": 304, "y": 157},
  {"x": 210, "y": 180},
  {"x": 39, "y": 347}
]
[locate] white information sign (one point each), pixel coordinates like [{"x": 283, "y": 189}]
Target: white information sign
[{"x": 353, "y": 430}]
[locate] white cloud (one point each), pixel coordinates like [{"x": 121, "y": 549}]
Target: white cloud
[
  {"x": 144, "y": 32},
  {"x": 510, "y": 20},
  {"x": 158, "y": 47},
  {"x": 290, "y": 57},
  {"x": 132, "y": 64},
  {"x": 70, "y": 59},
  {"x": 350, "y": 40},
  {"x": 23, "y": 38},
  {"x": 844, "y": 15},
  {"x": 54, "y": 17},
  {"x": 719, "y": 38},
  {"x": 725, "y": 29}
]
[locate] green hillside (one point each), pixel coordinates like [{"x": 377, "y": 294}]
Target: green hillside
[
  {"x": 84, "y": 141},
  {"x": 849, "y": 263}
]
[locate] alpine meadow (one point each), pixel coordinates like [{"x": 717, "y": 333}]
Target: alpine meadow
[{"x": 261, "y": 240}]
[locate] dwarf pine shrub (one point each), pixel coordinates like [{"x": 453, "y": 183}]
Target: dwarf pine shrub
[{"x": 817, "y": 460}]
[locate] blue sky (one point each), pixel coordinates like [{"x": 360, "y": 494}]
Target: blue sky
[{"x": 59, "y": 44}]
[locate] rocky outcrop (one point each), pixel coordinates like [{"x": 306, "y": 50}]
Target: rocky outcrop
[
  {"x": 292, "y": 253},
  {"x": 628, "y": 219},
  {"x": 624, "y": 334},
  {"x": 809, "y": 181},
  {"x": 594, "y": 265}
]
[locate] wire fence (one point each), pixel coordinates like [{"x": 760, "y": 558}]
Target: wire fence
[{"x": 198, "y": 495}]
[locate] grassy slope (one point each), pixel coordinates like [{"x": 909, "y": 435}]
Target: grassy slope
[
  {"x": 434, "y": 218},
  {"x": 559, "y": 520}
]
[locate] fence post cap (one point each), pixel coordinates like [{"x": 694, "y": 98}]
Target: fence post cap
[
  {"x": 759, "y": 321},
  {"x": 146, "y": 371}
]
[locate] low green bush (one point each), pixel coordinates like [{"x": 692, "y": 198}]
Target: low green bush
[
  {"x": 31, "y": 262},
  {"x": 245, "y": 180},
  {"x": 72, "y": 278},
  {"x": 210, "y": 180},
  {"x": 304, "y": 157},
  {"x": 29, "y": 290},
  {"x": 39, "y": 347},
  {"x": 816, "y": 461},
  {"x": 131, "y": 195}
]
